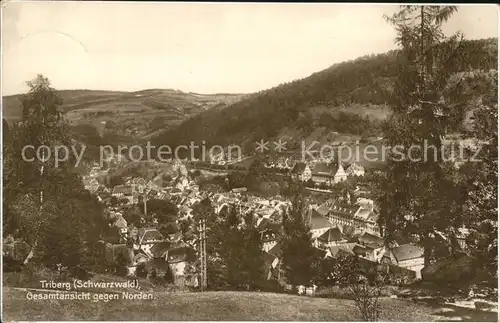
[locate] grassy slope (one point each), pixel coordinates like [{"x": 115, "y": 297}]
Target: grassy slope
[
  {"x": 235, "y": 306},
  {"x": 129, "y": 110}
]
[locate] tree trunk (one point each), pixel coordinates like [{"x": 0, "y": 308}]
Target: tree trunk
[
  {"x": 30, "y": 255},
  {"x": 427, "y": 256}
]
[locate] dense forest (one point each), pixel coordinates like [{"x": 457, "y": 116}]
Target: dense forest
[{"x": 356, "y": 90}]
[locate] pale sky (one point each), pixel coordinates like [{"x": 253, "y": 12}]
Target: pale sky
[{"x": 204, "y": 48}]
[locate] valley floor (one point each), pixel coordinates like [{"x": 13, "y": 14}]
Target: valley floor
[{"x": 225, "y": 306}]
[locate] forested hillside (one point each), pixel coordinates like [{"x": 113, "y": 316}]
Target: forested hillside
[{"x": 349, "y": 97}]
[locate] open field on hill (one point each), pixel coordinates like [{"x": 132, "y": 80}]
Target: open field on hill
[
  {"x": 137, "y": 113},
  {"x": 234, "y": 306}
]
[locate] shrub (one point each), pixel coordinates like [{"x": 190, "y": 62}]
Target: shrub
[
  {"x": 365, "y": 287},
  {"x": 80, "y": 273},
  {"x": 141, "y": 271},
  {"x": 169, "y": 276},
  {"x": 120, "y": 265},
  {"x": 12, "y": 265},
  {"x": 30, "y": 276},
  {"x": 366, "y": 298},
  {"x": 272, "y": 286}
]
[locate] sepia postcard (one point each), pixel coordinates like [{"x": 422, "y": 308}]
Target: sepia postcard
[{"x": 176, "y": 161}]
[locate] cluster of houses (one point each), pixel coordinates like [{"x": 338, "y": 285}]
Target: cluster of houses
[
  {"x": 261, "y": 207},
  {"x": 332, "y": 238},
  {"x": 91, "y": 182},
  {"x": 345, "y": 230},
  {"x": 337, "y": 226},
  {"x": 157, "y": 253},
  {"x": 147, "y": 245},
  {"x": 333, "y": 224},
  {"x": 341, "y": 229},
  {"x": 135, "y": 187},
  {"x": 324, "y": 173}
]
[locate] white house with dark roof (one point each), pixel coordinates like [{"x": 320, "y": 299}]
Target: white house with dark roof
[
  {"x": 147, "y": 238},
  {"x": 179, "y": 256},
  {"x": 91, "y": 184},
  {"x": 340, "y": 249},
  {"x": 342, "y": 214},
  {"x": 330, "y": 238},
  {"x": 370, "y": 239},
  {"x": 366, "y": 221},
  {"x": 121, "y": 191},
  {"x": 322, "y": 173},
  {"x": 340, "y": 175},
  {"x": 355, "y": 170},
  {"x": 269, "y": 233},
  {"x": 357, "y": 216},
  {"x": 302, "y": 171},
  {"x": 365, "y": 203},
  {"x": 318, "y": 224},
  {"x": 408, "y": 256}
]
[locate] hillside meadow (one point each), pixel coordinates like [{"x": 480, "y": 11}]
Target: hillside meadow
[{"x": 223, "y": 306}]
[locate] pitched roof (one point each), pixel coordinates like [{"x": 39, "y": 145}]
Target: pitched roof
[
  {"x": 333, "y": 234},
  {"x": 140, "y": 256},
  {"x": 345, "y": 248},
  {"x": 363, "y": 201},
  {"x": 407, "y": 252},
  {"x": 319, "y": 252},
  {"x": 122, "y": 189},
  {"x": 276, "y": 250},
  {"x": 179, "y": 254},
  {"x": 120, "y": 222},
  {"x": 322, "y": 169},
  {"x": 361, "y": 249},
  {"x": 371, "y": 240},
  {"x": 317, "y": 221},
  {"x": 160, "y": 249},
  {"x": 340, "y": 171},
  {"x": 299, "y": 168},
  {"x": 344, "y": 210},
  {"x": 323, "y": 209},
  {"x": 387, "y": 254},
  {"x": 365, "y": 214},
  {"x": 268, "y": 259},
  {"x": 149, "y": 235},
  {"x": 266, "y": 212},
  {"x": 266, "y": 224}
]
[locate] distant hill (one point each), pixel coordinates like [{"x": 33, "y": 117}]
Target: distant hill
[
  {"x": 128, "y": 114},
  {"x": 345, "y": 99}
]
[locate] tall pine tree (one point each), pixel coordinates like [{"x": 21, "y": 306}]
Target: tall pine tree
[
  {"x": 481, "y": 174},
  {"x": 421, "y": 196},
  {"x": 299, "y": 255},
  {"x": 251, "y": 259},
  {"x": 238, "y": 247}
]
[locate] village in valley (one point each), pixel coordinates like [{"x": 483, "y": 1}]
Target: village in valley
[
  {"x": 340, "y": 184},
  {"x": 342, "y": 223}
]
